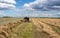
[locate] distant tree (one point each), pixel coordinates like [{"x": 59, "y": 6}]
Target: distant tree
[{"x": 7, "y": 17}]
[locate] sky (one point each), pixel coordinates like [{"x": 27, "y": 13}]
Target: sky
[{"x": 30, "y": 8}]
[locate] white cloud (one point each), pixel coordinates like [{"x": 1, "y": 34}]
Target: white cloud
[
  {"x": 7, "y": 4},
  {"x": 26, "y": 5},
  {"x": 44, "y": 5},
  {"x": 8, "y": 1},
  {"x": 47, "y": 15},
  {"x": 1, "y": 13},
  {"x": 56, "y": 7},
  {"x": 4, "y": 5}
]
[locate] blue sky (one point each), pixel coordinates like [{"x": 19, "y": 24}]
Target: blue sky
[
  {"x": 22, "y": 2},
  {"x": 31, "y": 8}
]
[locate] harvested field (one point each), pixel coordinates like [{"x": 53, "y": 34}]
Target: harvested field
[
  {"x": 15, "y": 28},
  {"x": 46, "y": 28},
  {"x": 36, "y": 28}
]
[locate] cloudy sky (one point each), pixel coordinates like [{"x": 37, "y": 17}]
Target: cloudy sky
[{"x": 31, "y": 8}]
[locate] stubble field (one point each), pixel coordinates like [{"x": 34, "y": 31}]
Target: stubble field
[{"x": 36, "y": 28}]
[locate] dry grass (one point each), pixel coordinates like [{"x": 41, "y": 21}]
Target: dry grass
[
  {"x": 46, "y": 25},
  {"x": 16, "y": 29},
  {"x": 6, "y": 30},
  {"x": 39, "y": 28}
]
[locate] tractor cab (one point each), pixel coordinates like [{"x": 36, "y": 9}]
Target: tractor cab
[{"x": 26, "y": 19}]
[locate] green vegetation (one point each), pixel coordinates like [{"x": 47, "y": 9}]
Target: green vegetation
[
  {"x": 25, "y": 31},
  {"x": 6, "y": 17}
]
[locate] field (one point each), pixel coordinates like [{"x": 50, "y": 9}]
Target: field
[
  {"x": 46, "y": 28},
  {"x": 14, "y": 28},
  {"x": 36, "y": 28}
]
